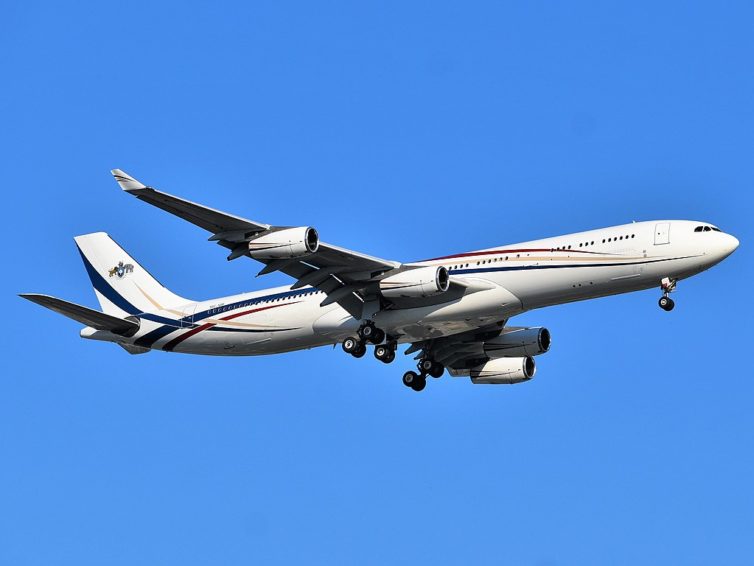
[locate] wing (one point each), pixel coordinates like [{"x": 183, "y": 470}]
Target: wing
[{"x": 345, "y": 276}]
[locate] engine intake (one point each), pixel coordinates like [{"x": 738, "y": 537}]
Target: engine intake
[
  {"x": 416, "y": 283},
  {"x": 504, "y": 371},
  {"x": 285, "y": 244},
  {"x": 518, "y": 342}
]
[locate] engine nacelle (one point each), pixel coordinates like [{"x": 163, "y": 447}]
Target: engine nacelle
[
  {"x": 285, "y": 244},
  {"x": 416, "y": 283},
  {"x": 504, "y": 371},
  {"x": 518, "y": 342}
]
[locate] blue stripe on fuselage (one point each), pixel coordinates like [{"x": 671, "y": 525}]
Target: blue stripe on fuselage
[{"x": 190, "y": 321}]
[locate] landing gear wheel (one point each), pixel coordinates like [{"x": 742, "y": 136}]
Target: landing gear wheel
[
  {"x": 350, "y": 345},
  {"x": 410, "y": 378},
  {"x": 437, "y": 370},
  {"x": 360, "y": 351},
  {"x": 384, "y": 354},
  {"x": 666, "y": 303},
  {"x": 370, "y": 333},
  {"x": 419, "y": 384},
  {"x": 377, "y": 336},
  {"x": 367, "y": 332},
  {"x": 426, "y": 365}
]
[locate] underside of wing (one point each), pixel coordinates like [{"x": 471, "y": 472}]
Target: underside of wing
[
  {"x": 459, "y": 351},
  {"x": 492, "y": 354}
]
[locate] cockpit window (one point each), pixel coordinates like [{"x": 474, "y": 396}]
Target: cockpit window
[
  {"x": 716, "y": 229},
  {"x": 707, "y": 229},
  {"x": 698, "y": 228}
]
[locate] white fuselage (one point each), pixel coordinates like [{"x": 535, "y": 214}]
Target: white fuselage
[{"x": 500, "y": 283}]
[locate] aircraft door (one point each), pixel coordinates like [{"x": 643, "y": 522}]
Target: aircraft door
[
  {"x": 662, "y": 233},
  {"x": 187, "y": 315}
]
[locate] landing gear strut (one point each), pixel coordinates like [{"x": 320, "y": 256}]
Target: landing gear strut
[{"x": 668, "y": 286}]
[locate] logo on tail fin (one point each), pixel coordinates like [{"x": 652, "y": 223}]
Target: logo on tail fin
[{"x": 120, "y": 270}]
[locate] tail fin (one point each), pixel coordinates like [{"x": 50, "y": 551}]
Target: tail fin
[{"x": 123, "y": 287}]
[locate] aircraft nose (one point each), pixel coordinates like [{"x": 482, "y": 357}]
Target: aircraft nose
[{"x": 729, "y": 244}]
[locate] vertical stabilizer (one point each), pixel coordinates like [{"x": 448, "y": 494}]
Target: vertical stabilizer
[{"x": 123, "y": 287}]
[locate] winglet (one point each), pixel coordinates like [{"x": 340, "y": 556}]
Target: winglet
[{"x": 126, "y": 182}]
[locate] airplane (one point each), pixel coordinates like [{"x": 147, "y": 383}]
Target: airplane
[{"x": 452, "y": 311}]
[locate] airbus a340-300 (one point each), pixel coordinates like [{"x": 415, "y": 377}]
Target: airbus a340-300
[{"x": 452, "y": 310}]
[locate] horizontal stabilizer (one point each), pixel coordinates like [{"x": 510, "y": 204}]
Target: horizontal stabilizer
[{"x": 85, "y": 315}]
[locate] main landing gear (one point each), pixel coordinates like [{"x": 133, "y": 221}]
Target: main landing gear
[
  {"x": 357, "y": 345},
  {"x": 668, "y": 286},
  {"x": 426, "y": 366},
  {"x": 385, "y": 352}
]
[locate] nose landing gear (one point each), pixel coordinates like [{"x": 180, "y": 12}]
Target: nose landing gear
[{"x": 668, "y": 286}]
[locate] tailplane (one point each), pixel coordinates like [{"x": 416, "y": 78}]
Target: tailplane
[
  {"x": 85, "y": 315},
  {"x": 123, "y": 287}
]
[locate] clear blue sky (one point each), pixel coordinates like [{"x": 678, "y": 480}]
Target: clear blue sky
[{"x": 405, "y": 131}]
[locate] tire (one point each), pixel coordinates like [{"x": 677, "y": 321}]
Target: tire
[
  {"x": 378, "y": 336},
  {"x": 420, "y": 384},
  {"x": 671, "y": 305},
  {"x": 381, "y": 352},
  {"x": 366, "y": 332},
  {"x": 409, "y": 378},
  {"x": 390, "y": 357},
  {"x": 426, "y": 365},
  {"x": 350, "y": 345},
  {"x": 437, "y": 370},
  {"x": 666, "y": 303},
  {"x": 359, "y": 352}
]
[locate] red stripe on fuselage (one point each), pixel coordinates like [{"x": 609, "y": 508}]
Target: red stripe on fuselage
[{"x": 177, "y": 340}]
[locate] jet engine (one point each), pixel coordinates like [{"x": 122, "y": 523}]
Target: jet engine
[
  {"x": 504, "y": 371},
  {"x": 416, "y": 283},
  {"x": 518, "y": 342},
  {"x": 285, "y": 244}
]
